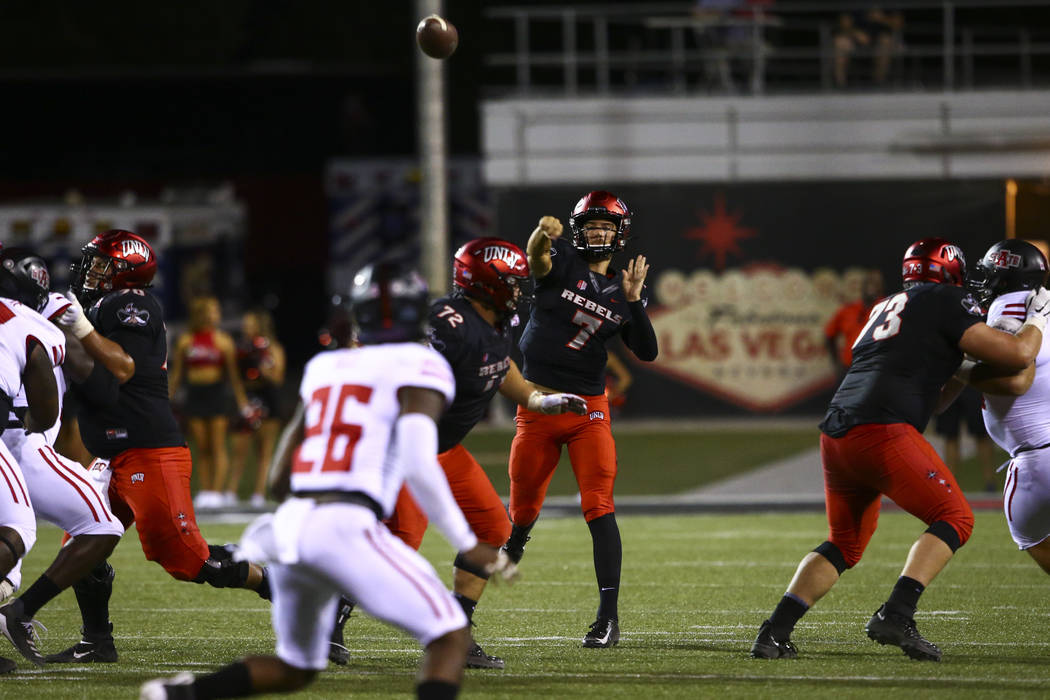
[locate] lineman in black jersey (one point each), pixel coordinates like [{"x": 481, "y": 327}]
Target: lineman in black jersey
[
  {"x": 871, "y": 443},
  {"x": 117, "y": 356}
]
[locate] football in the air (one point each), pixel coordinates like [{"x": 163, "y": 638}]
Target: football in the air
[{"x": 436, "y": 36}]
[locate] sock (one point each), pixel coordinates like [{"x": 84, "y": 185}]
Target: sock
[
  {"x": 93, "y": 593},
  {"x": 233, "y": 681},
  {"x": 436, "y": 690},
  {"x": 467, "y": 604},
  {"x": 608, "y": 555},
  {"x": 905, "y": 596},
  {"x": 519, "y": 535},
  {"x": 788, "y": 612},
  {"x": 42, "y": 590}
]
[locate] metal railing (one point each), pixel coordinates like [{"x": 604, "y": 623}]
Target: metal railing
[{"x": 660, "y": 47}]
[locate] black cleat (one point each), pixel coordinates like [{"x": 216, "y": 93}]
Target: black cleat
[
  {"x": 477, "y": 658},
  {"x": 7, "y": 665},
  {"x": 19, "y": 630},
  {"x": 337, "y": 651},
  {"x": 604, "y": 633},
  {"x": 891, "y": 628},
  {"x": 92, "y": 648},
  {"x": 766, "y": 646}
]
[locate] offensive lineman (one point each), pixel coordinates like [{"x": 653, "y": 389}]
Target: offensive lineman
[
  {"x": 871, "y": 442},
  {"x": 580, "y": 303},
  {"x": 470, "y": 329},
  {"x": 366, "y": 423},
  {"x": 127, "y": 420},
  {"x": 26, "y": 351},
  {"x": 1015, "y": 404},
  {"x": 61, "y": 491}
]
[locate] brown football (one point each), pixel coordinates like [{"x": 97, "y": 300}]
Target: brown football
[{"x": 436, "y": 36}]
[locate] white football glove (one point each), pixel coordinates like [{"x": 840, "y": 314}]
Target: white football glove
[
  {"x": 502, "y": 569},
  {"x": 554, "y": 404},
  {"x": 74, "y": 319}
]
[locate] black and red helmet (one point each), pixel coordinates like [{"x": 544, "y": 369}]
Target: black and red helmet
[
  {"x": 388, "y": 304},
  {"x": 492, "y": 271},
  {"x": 1013, "y": 265},
  {"x": 934, "y": 260},
  {"x": 113, "y": 260},
  {"x": 599, "y": 205},
  {"x": 24, "y": 277}
]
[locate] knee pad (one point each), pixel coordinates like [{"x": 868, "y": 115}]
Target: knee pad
[
  {"x": 952, "y": 534},
  {"x": 832, "y": 553},
  {"x": 224, "y": 573},
  {"x": 460, "y": 562}
]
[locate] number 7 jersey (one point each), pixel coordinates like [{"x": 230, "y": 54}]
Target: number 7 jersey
[
  {"x": 351, "y": 407},
  {"x": 903, "y": 356}
]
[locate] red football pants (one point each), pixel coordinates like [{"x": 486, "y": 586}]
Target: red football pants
[
  {"x": 536, "y": 449},
  {"x": 151, "y": 488},
  {"x": 474, "y": 493},
  {"x": 895, "y": 460}
]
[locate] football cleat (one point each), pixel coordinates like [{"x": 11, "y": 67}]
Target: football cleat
[
  {"x": 766, "y": 646},
  {"x": 19, "y": 630},
  {"x": 7, "y": 665},
  {"x": 891, "y": 628},
  {"x": 337, "y": 651},
  {"x": 178, "y": 688},
  {"x": 477, "y": 658},
  {"x": 92, "y": 648},
  {"x": 604, "y": 633}
]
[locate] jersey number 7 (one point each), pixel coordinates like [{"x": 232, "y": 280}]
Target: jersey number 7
[
  {"x": 888, "y": 312},
  {"x": 342, "y": 436}
]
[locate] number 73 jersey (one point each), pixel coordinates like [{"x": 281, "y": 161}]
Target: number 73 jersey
[
  {"x": 351, "y": 407},
  {"x": 903, "y": 356}
]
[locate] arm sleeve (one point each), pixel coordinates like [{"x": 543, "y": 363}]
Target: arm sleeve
[
  {"x": 417, "y": 442},
  {"x": 100, "y": 388},
  {"x": 638, "y": 333}
]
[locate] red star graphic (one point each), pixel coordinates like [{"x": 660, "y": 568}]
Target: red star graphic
[{"x": 720, "y": 232}]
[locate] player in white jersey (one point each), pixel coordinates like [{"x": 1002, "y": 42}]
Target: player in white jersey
[
  {"x": 366, "y": 424},
  {"x": 27, "y": 342},
  {"x": 62, "y": 491},
  {"x": 1017, "y": 406}
]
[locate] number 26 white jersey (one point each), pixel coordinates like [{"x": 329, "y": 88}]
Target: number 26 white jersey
[{"x": 351, "y": 408}]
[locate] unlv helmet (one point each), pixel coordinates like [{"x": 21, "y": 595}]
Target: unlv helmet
[
  {"x": 492, "y": 271},
  {"x": 113, "y": 260},
  {"x": 934, "y": 260},
  {"x": 1012, "y": 265},
  {"x": 388, "y": 304},
  {"x": 24, "y": 277},
  {"x": 599, "y": 205}
]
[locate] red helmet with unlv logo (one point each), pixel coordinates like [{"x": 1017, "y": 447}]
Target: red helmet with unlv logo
[
  {"x": 934, "y": 260},
  {"x": 599, "y": 205},
  {"x": 492, "y": 271},
  {"x": 113, "y": 260}
]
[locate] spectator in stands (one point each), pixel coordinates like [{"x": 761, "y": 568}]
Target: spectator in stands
[
  {"x": 949, "y": 426},
  {"x": 261, "y": 363},
  {"x": 846, "y": 324},
  {"x": 205, "y": 357},
  {"x": 727, "y": 31},
  {"x": 874, "y": 30}
]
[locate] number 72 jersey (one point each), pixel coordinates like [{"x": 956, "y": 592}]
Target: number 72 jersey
[
  {"x": 351, "y": 406},
  {"x": 903, "y": 356}
]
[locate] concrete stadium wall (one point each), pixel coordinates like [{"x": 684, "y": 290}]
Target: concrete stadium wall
[{"x": 698, "y": 139}]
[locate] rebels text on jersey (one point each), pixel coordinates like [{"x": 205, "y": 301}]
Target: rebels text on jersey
[
  {"x": 352, "y": 405},
  {"x": 480, "y": 357},
  {"x": 902, "y": 357},
  {"x": 20, "y": 329},
  {"x": 142, "y": 416},
  {"x": 575, "y": 312}
]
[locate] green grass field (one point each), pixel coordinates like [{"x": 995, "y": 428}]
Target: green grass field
[{"x": 694, "y": 590}]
